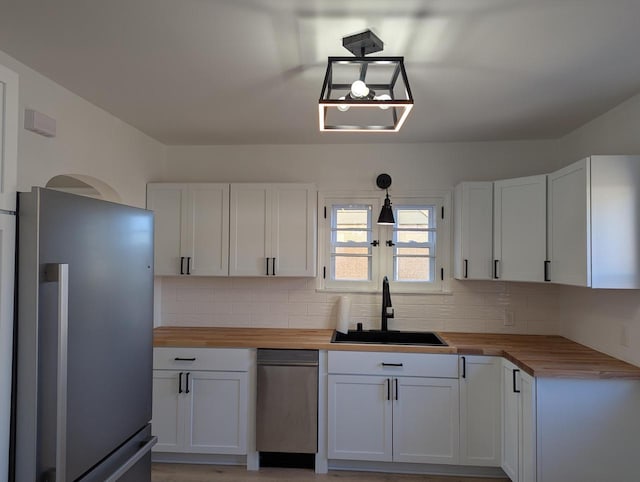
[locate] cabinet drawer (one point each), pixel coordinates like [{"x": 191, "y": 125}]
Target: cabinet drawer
[
  {"x": 228, "y": 359},
  {"x": 389, "y": 363}
]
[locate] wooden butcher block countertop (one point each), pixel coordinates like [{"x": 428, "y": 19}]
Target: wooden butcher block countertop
[{"x": 538, "y": 355}]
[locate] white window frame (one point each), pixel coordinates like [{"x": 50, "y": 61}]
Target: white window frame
[{"x": 382, "y": 260}]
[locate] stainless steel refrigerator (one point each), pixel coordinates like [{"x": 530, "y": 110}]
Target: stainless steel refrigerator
[{"x": 84, "y": 348}]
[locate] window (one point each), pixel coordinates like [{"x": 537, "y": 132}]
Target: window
[
  {"x": 351, "y": 237},
  {"x": 358, "y": 253},
  {"x": 414, "y": 240}
]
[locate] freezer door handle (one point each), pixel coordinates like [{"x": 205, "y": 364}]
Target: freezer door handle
[
  {"x": 124, "y": 468},
  {"x": 60, "y": 273}
]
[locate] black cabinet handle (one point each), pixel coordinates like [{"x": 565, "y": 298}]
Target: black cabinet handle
[
  {"x": 188, "y": 264},
  {"x": 180, "y": 383},
  {"x": 187, "y": 383},
  {"x": 515, "y": 390},
  {"x": 374, "y": 243},
  {"x": 390, "y": 243},
  {"x": 267, "y": 260},
  {"x": 466, "y": 268},
  {"x": 464, "y": 367},
  {"x": 388, "y": 381},
  {"x": 546, "y": 270},
  {"x": 273, "y": 266},
  {"x": 495, "y": 269},
  {"x": 184, "y": 359},
  {"x": 396, "y": 380},
  {"x": 181, "y": 264},
  {"x": 391, "y": 364}
]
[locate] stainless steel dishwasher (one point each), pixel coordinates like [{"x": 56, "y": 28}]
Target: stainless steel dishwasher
[{"x": 287, "y": 406}]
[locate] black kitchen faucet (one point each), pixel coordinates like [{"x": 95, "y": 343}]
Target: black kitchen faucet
[{"x": 387, "y": 308}]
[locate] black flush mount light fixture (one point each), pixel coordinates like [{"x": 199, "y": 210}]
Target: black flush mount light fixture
[
  {"x": 383, "y": 181},
  {"x": 364, "y": 94}
]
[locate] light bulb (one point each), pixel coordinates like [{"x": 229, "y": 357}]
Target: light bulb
[
  {"x": 343, "y": 108},
  {"x": 359, "y": 89},
  {"x": 383, "y": 97}
]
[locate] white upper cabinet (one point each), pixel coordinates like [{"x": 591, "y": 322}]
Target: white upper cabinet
[
  {"x": 593, "y": 224},
  {"x": 473, "y": 237},
  {"x": 273, "y": 230},
  {"x": 191, "y": 228},
  {"x": 8, "y": 138},
  {"x": 520, "y": 227}
]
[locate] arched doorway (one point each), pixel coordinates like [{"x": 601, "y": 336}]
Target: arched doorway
[{"x": 84, "y": 186}]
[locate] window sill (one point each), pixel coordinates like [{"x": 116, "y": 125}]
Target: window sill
[{"x": 379, "y": 292}]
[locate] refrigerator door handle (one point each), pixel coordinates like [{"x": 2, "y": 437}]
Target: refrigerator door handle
[
  {"x": 60, "y": 273},
  {"x": 122, "y": 470}
]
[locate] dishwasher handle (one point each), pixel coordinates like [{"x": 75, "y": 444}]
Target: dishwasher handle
[{"x": 283, "y": 363}]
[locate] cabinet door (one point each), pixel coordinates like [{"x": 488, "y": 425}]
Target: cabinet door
[
  {"x": 167, "y": 421},
  {"x": 474, "y": 230},
  {"x": 294, "y": 229},
  {"x": 425, "y": 420},
  {"x": 250, "y": 230},
  {"x": 360, "y": 418},
  {"x": 568, "y": 226},
  {"x": 216, "y": 416},
  {"x": 7, "y": 273},
  {"x": 510, "y": 421},
  {"x": 207, "y": 229},
  {"x": 8, "y": 138},
  {"x": 520, "y": 232},
  {"x": 527, "y": 441},
  {"x": 480, "y": 421},
  {"x": 168, "y": 202}
]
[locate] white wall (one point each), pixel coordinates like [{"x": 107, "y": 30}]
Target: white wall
[
  {"x": 471, "y": 306},
  {"x": 89, "y": 140},
  {"x": 602, "y": 318}
]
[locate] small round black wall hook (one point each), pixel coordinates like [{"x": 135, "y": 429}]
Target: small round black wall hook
[{"x": 383, "y": 181}]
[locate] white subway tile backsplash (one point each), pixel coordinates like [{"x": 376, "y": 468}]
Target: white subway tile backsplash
[{"x": 477, "y": 306}]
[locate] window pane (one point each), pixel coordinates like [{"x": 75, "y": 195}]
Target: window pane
[
  {"x": 352, "y": 250},
  {"x": 352, "y": 236},
  {"x": 413, "y": 217},
  {"x": 412, "y": 237},
  {"x": 413, "y": 251},
  {"x": 356, "y": 217},
  {"x": 351, "y": 268},
  {"x": 413, "y": 269}
]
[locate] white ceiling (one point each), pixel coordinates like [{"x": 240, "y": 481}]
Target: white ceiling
[{"x": 250, "y": 71}]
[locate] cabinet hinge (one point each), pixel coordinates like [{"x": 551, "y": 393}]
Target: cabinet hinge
[
  {"x": 324, "y": 272},
  {"x": 442, "y": 212},
  {"x": 441, "y": 274},
  {"x": 325, "y": 212}
]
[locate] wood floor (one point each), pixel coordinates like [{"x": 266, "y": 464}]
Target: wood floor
[{"x": 205, "y": 473}]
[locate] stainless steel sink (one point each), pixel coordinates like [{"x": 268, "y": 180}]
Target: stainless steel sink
[{"x": 388, "y": 337}]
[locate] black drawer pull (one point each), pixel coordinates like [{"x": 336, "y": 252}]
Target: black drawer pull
[
  {"x": 180, "y": 383},
  {"x": 181, "y": 264},
  {"x": 546, "y": 270},
  {"x": 464, "y": 367},
  {"x": 184, "y": 359},
  {"x": 514, "y": 381},
  {"x": 466, "y": 269},
  {"x": 391, "y": 364},
  {"x": 187, "y": 383},
  {"x": 495, "y": 269}
]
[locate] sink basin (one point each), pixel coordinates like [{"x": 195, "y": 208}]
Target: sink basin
[{"x": 389, "y": 337}]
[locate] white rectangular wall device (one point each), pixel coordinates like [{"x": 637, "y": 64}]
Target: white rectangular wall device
[{"x": 40, "y": 123}]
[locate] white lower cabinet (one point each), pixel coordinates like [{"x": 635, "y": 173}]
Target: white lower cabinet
[
  {"x": 384, "y": 411},
  {"x": 480, "y": 412},
  {"x": 518, "y": 424},
  {"x": 198, "y": 410}
]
